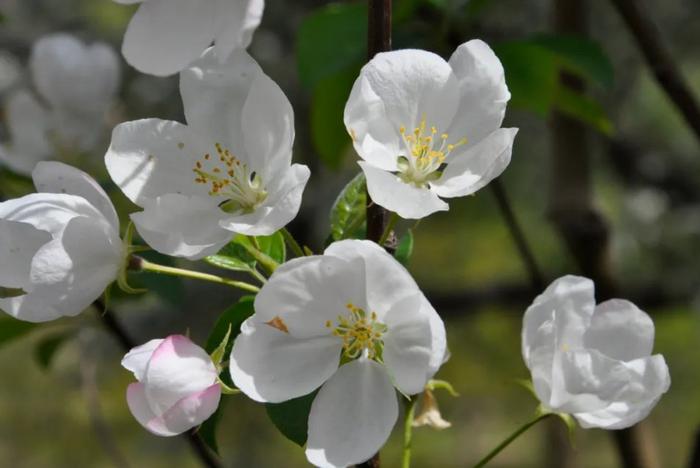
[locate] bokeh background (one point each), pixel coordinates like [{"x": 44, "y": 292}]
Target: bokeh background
[{"x": 62, "y": 389}]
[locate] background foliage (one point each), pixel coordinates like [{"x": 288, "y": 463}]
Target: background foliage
[{"x": 62, "y": 398}]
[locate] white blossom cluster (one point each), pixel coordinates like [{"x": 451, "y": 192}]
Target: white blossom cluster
[{"x": 350, "y": 324}]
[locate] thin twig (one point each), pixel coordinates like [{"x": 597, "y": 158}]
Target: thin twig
[
  {"x": 660, "y": 60},
  {"x": 528, "y": 258},
  {"x": 110, "y": 322}
]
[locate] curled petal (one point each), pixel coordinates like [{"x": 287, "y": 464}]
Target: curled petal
[{"x": 137, "y": 359}]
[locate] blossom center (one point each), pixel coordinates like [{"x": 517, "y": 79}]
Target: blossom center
[
  {"x": 426, "y": 151},
  {"x": 360, "y": 332},
  {"x": 242, "y": 190}
]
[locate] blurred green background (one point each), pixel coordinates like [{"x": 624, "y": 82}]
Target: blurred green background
[{"x": 62, "y": 400}]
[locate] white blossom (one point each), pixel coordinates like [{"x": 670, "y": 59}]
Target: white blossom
[
  {"x": 59, "y": 247},
  {"x": 426, "y": 128},
  {"x": 593, "y": 362},
  {"x": 356, "y": 302},
  {"x": 165, "y": 36},
  {"x": 177, "y": 386},
  {"x": 77, "y": 83},
  {"x": 227, "y": 171}
]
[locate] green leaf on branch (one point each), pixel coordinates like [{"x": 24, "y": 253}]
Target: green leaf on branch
[
  {"x": 583, "y": 108},
  {"x": 48, "y": 347},
  {"x": 8, "y": 293},
  {"x": 237, "y": 256},
  {"x": 348, "y": 214},
  {"x": 331, "y": 39},
  {"x": 292, "y": 417},
  {"x": 232, "y": 257},
  {"x": 404, "y": 249},
  {"x": 328, "y": 133},
  {"x": 11, "y": 329},
  {"x": 533, "y": 67},
  {"x": 580, "y": 56}
]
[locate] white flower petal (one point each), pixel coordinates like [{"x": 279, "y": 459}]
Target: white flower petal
[
  {"x": 374, "y": 137},
  {"x": 18, "y": 244},
  {"x": 352, "y": 416},
  {"x": 164, "y": 36},
  {"x": 268, "y": 127},
  {"x": 271, "y": 365},
  {"x": 278, "y": 210},
  {"x": 192, "y": 410},
  {"x": 649, "y": 379},
  {"x": 56, "y": 177},
  {"x": 214, "y": 95},
  {"x": 73, "y": 77},
  {"x": 386, "y": 280},
  {"x": 238, "y": 20},
  {"x": 182, "y": 226},
  {"x": 482, "y": 90},
  {"x": 558, "y": 317},
  {"x": 620, "y": 330},
  {"x": 471, "y": 169},
  {"x": 413, "y": 85},
  {"x": 178, "y": 368},
  {"x": 390, "y": 192},
  {"x": 408, "y": 344},
  {"x": 73, "y": 270},
  {"x": 151, "y": 157},
  {"x": 307, "y": 292},
  {"x": 49, "y": 212},
  {"x": 138, "y": 405},
  {"x": 137, "y": 359},
  {"x": 28, "y": 124},
  {"x": 585, "y": 381}
]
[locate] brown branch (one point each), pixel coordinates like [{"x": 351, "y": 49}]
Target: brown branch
[
  {"x": 583, "y": 228},
  {"x": 660, "y": 61},
  {"x": 694, "y": 461},
  {"x": 200, "y": 449},
  {"x": 378, "y": 40}
]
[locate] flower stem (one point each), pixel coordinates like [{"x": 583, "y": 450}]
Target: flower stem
[
  {"x": 408, "y": 433},
  {"x": 389, "y": 227},
  {"x": 140, "y": 264},
  {"x": 510, "y": 439},
  {"x": 292, "y": 243}
]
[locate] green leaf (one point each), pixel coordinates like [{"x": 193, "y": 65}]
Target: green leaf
[
  {"x": 217, "y": 356},
  {"x": 328, "y": 133},
  {"x": 531, "y": 75},
  {"x": 47, "y": 348},
  {"x": 331, "y": 39},
  {"x": 533, "y": 68},
  {"x": 7, "y": 293},
  {"x": 207, "y": 431},
  {"x": 231, "y": 319},
  {"x": 11, "y": 329},
  {"x": 583, "y": 108},
  {"x": 273, "y": 246},
  {"x": 581, "y": 56},
  {"x": 232, "y": 256},
  {"x": 349, "y": 210},
  {"x": 405, "y": 248},
  {"x": 236, "y": 254},
  {"x": 292, "y": 417}
]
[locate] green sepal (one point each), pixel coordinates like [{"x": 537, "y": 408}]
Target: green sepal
[
  {"x": 8, "y": 293},
  {"x": 442, "y": 385}
]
